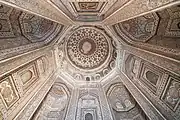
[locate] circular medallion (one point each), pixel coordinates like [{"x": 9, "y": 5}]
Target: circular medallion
[{"x": 87, "y": 48}]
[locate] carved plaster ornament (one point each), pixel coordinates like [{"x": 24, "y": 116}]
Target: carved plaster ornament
[
  {"x": 88, "y": 5},
  {"x": 6, "y": 91},
  {"x": 86, "y": 47}
]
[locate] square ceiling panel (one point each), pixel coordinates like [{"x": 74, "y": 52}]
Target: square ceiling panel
[
  {"x": 82, "y": 10},
  {"x": 83, "y": 7}
]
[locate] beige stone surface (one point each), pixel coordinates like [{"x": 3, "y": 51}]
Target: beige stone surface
[{"x": 126, "y": 69}]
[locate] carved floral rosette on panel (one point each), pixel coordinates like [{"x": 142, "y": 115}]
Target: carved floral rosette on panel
[
  {"x": 8, "y": 92},
  {"x": 159, "y": 85}
]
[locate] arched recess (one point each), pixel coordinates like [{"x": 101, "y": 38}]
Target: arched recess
[
  {"x": 155, "y": 83},
  {"x": 88, "y": 107},
  {"x": 122, "y": 103},
  {"x": 88, "y": 116},
  {"x": 55, "y": 104}
]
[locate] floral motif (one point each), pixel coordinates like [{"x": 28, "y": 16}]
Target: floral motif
[
  {"x": 140, "y": 28},
  {"x": 120, "y": 98},
  {"x": 8, "y": 92},
  {"x": 172, "y": 95},
  {"x": 6, "y": 30},
  {"x": 87, "y": 48},
  {"x": 35, "y": 28}
]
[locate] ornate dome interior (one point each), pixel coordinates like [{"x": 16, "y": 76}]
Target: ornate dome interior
[
  {"x": 89, "y": 53},
  {"x": 89, "y": 60}
]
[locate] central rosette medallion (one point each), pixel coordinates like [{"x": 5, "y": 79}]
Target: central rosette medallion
[{"x": 87, "y": 48}]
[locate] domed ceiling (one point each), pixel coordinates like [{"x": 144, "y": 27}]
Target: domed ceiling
[
  {"x": 87, "y": 48},
  {"x": 90, "y": 52}
]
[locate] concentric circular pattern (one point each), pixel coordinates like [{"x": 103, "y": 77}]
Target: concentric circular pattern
[{"x": 87, "y": 48}]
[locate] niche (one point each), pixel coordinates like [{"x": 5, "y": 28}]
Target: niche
[{"x": 88, "y": 116}]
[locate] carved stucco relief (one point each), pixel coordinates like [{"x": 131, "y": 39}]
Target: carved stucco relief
[
  {"x": 8, "y": 92},
  {"x": 21, "y": 31},
  {"x": 120, "y": 98},
  {"x": 160, "y": 86},
  {"x": 92, "y": 103},
  {"x": 6, "y": 30},
  {"x": 123, "y": 104},
  {"x": 28, "y": 76},
  {"x": 171, "y": 95},
  {"x": 55, "y": 103},
  {"x": 35, "y": 28},
  {"x": 140, "y": 29},
  {"x": 157, "y": 60},
  {"x": 137, "y": 8},
  {"x": 20, "y": 83},
  {"x": 35, "y": 102},
  {"x": 88, "y": 105},
  {"x": 37, "y": 7},
  {"x": 90, "y": 50},
  {"x": 173, "y": 26},
  {"x": 89, "y": 10},
  {"x": 156, "y": 32}
]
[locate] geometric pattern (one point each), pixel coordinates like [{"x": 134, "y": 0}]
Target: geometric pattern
[
  {"x": 35, "y": 28},
  {"x": 8, "y": 92},
  {"x": 120, "y": 98},
  {"x": 87, "y": 48},
  {"x": 85, "y": 10},
  {"x": 150, "y": 77},
  {"x": 55, "y": 103},
  {"x": 28, "y": 76},
  {"x": 88, "y": 55},
  {"x": 173, "y": 26},
  {"x": 88, "y": 6},
  {"x": 6, "y": 30},
  {"x": 141, "y": 28},
  {"x": 88, "y": 108},
  {"x": 172, "y": 94},
  {"x": 21, "y": 32}
]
